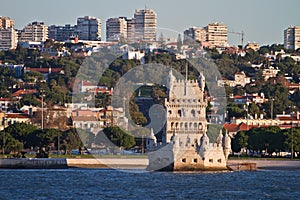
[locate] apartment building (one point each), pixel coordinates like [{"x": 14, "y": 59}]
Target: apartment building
[
  {"x": 116, "y": 29},
  {"x": 8, "y": 39},
  {"x": 145, "y": 21},
  {"x": 6, "y": 22},
  {"x": 34, "y": 32},
  {"x": 194, "y": 34},
  {"x": 217, "y": 34},
  {"x": 8, "y": 35},
  {"x": 61, "y": 33},
  {"x": 89, "y": 28},
  {"x": 292, "y": 38}
]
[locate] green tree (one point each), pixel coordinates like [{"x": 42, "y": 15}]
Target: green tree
[
  {"x": 119, "y": 137},
  {"x": 161, "y": 41},
  {"x": 72, "y": 140},
  {"x": 179, "y": 42},
  {"x": 9, "y": 144},
  {"x": 21, "y": 132},
  {"x": 292, "y": 141},
  {"x": 239, "y": 142}
]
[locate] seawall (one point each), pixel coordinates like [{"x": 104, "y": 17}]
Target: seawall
[
  {"x": 33, "y": 163},
  {"x": 129, "y": 163},
  {"x": 57, "y": 163}
]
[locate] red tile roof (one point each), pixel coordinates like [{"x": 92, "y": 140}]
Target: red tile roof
[
  {"x": 5, "y": 99},
  {"x": 43, "y": 70},
  {"x": 17, "y": 115},
  {"x": 88, "y": 83},
  {"x": 23, "y": 92},
  {"x": 238, "y": 127},
  {"x": 84, "y": 118}
]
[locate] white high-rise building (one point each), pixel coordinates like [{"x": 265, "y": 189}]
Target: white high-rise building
[
  {"x": 217, "y": 34},
  {"x": 8, "y": 39},
  {"x": 6, "y": 22},
  {"x": 195, "y": 34},
  {"x": 145, "y": 25},
  {"x": 34, "y": 32},
  {"x": 61, "y": 33},
  {"x": 116, "y": 29},
  {"x": 292, "y": 38},
  {"x": 130, "y": 30},
  {"x": 89, "y": 28},
  {"x": 8, "y": 35}
]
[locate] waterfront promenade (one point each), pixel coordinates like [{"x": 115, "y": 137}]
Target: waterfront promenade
[{"x": 131, "y": 163}]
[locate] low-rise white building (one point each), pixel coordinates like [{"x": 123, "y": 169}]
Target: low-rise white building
[{"x": 240, "y": 78}]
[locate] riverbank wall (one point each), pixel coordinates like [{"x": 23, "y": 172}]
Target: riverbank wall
[
  {"x": 33, "y": 163},
  {"x": 128, "y": 163}
]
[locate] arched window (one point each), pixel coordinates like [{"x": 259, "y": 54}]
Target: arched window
[
  {"x": 172, "y": 125},
  {"x": 195, "y": 126},
  {"x": 186, "y": 127},
  {"x": 193, "y": 113},
  {"x": 200, "y": 126},
  {"x": 179, "y": 113},
  {"x": 170, "y": 112}
]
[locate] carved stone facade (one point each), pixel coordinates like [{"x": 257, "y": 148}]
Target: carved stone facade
[{"x": 186, "y": 145}]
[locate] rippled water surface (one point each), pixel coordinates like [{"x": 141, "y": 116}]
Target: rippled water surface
[{"x": 115, "y": 184}]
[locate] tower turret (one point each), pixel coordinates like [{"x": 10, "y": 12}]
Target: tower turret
[{"x": 226, "y": 145}]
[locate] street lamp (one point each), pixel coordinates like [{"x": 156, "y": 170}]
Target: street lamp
[
  {"x": 42, "y": 124},
  {"x": 272, "y": 104},
  {"x": 58, "y": 133}
]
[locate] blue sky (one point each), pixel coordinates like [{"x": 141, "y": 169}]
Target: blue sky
[{"x": 263, "y": 21}]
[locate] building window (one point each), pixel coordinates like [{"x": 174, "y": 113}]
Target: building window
[
  {"x": 179, "y": 113},
  {"x": 186, "y": 126},
  {"x": 211, "y": 160},
  {"x": 195, "y": 160},
  {"x": 193, "y": 113},
  {"x": 220, "y": 160},
  {"x": 183, "y": 160}
]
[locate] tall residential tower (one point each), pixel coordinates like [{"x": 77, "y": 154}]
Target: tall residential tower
[
  {"x": 8, "y": 35},
  {"x": 89, "y": 28},
  {"x": 145, "y": 25},
  {"x": 292, "y": 38},
  {"x": 34, "y": 32},
  {"x": 217, "y": 34},
  {"x": 116, "y": 29}
]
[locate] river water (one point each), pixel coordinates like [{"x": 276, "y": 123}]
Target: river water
[{"x": 115, "y": 184}]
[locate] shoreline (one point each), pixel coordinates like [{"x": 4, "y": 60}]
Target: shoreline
[{"x": 128, "y": 163}]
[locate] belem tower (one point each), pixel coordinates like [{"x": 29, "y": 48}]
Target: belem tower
[{"x": 185, "y": 145}]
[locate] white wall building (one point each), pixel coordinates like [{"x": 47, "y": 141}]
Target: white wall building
[
  {"x": 145, "y": 25},
  {"x": 8, "y": 39},
  {"x": 217, "y": 34},
  {"x": 34, "y": 32},
  {"x": 116, "y": 29},
  {"x": 292, "y": 38}
]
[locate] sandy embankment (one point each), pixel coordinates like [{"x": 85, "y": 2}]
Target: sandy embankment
[
  {"x": 141, "y": 163},
  {"x": 270, "y": 164},
  {"x": 134, "y": 163}
]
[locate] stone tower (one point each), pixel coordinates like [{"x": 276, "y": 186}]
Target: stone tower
[
  {"x": 186, "y": 145},
  {"x": 186, "y": 109}
]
